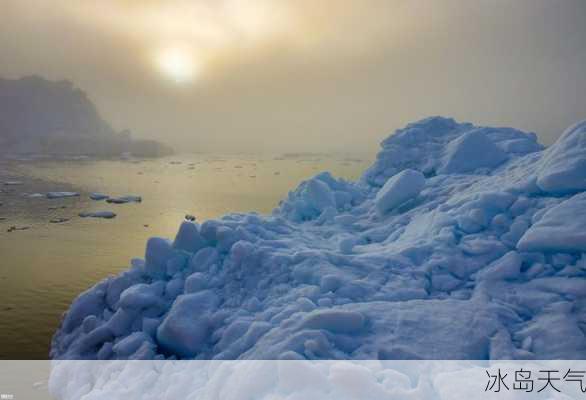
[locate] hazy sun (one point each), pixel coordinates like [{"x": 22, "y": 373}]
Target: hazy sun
[{"x": 178, "y": 64}]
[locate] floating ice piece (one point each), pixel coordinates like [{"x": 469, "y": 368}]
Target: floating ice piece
[
  {"x": 562, "y": 228},
  {"x": 60, "y": 195},
  {"x": 124, "y": 199},
  {"x": 58, "y": 220},
  {"x": 398, "y": 189},
  {"x": 17, "y": 228},
  {"x": 563, "y": 167},
  {"x": 98, "y": 214},
  {"x": 99, "y": 196}
]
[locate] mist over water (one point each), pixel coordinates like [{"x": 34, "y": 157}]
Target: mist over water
[{"x": 265, "y": 76}]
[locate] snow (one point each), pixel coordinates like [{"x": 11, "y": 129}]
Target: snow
[
  {"x": 459, "y": 242},
  {"x": 98, "y": 214},
  {"x": 61, "y": 195}
]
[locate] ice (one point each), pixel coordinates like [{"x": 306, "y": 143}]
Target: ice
[
  {"x": 563, "y": 168},
  {"x": 60, "y": 195},
  {"x": 459, "y": 242},
  {"x": 185, "y": 332},
  {"x": 13, "y": 183},
  {"x": 98, "y": 214},
  {"x": 188, "y": 237},
  {"x": 124, "y": 199},
  {"x": 471, "y": 151},
  {"x": 398, "y": 189},
  {"x": 99, "y": 196},
  {"x": 561, "y": 229}
]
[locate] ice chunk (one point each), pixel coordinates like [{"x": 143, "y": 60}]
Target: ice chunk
[
  {"x": 91, "y": 302},
  {"x": 562, "y": 228},
  {"x": 124, "y": 199},
  {"x": 336, "y": 321},
  {"x": 471, "y": 151},
  {"x": 188, "y": 238},
  {"x": 186, "y": 328},
  {"x": 158, "y": 252},
  {"x": 131, "y": 343},
  {"x": 563, "y": 167},
  {"x": 98, "y": 214},
  {"x": 60, "y": 195},
  {"x": 195, "y": 282},
  {"x": 506, "y": 267},
  {"x": 141, "y": 296},
  {"x": 398, "y": 189},
  {"x": 99, "y": 196},
  {"x": 319, "y": 195}
]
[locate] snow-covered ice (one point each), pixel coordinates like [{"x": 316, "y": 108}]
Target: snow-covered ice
[
  {"x": 98, "y": 214},
  {"x": 459, "y": 242}
]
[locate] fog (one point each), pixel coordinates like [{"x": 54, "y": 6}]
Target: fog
[{"x": 305, "y": 75}]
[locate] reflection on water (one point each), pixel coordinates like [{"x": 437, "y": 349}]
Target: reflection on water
[{"x": 43, "y": 268}]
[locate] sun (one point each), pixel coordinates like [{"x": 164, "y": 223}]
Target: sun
[{"x": 178, "y": 64}]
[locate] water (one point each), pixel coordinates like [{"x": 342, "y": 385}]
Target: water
[{"x": 43, "y": 268}]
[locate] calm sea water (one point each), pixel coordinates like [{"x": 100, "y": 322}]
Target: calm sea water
[{"x": 43, "y": 268}]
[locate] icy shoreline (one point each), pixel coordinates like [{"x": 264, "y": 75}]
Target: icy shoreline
[{"x": 473, "y": 249}]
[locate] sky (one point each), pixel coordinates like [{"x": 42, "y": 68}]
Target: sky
[{"x": 263, "y": 76}]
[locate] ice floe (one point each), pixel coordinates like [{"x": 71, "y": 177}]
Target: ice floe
[
  {"x": 124, "y": 199},
  {"x": 61, "y": 195},
  {"x": 97, "y": 214},
  {"x": 98, "y": 196}
]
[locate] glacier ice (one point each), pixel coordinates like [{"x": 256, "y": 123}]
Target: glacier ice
[{"x": 459, "y": 242}]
